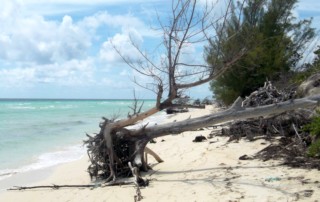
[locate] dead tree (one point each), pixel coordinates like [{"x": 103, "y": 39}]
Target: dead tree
[
  {"x": 129, "y": 145},
  {"x": 187, "y": 26},
  {"x": 115, "y": 146}
]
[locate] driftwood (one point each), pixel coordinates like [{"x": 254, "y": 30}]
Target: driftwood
[
  {"x": 109, "y": 160},
  {"x": 266, "y": 95},
  {"x": 152, "y": 153},
  {"x": 176, "y": 110},
  {"x": 293, "y": 141},
  {"x": 268, "y": 126},
  {"x": 114, "y": 183},
  {"x": 53, "y": 187},
  {"x": 138, "y": 181}
]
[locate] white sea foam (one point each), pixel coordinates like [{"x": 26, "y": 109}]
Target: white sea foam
[
  {"x": 47, "y": 160},
  {"x": 22, "y": 107},
  {"x": 47, "y": 107},
  {"x": 69, "y": 106}
]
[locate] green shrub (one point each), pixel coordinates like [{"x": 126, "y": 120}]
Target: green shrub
[
  {"x": 314, "y": 129},
  {"x": 314, "y": 149}
]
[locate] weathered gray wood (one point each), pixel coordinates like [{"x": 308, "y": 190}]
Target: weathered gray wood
[
  {"x": 112, "y": 183},
  {"x": 234, "y": 113},
  {"x": 152, "y": 153}
]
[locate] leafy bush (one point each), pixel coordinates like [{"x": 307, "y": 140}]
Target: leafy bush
[
  {"x": 314, "y": 129},
  {"x": 314, "y": 149}
]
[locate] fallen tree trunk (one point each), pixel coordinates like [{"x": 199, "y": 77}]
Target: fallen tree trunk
[
  {"x": 236, "y": 112},
  {"x": 115, "y": 146}
]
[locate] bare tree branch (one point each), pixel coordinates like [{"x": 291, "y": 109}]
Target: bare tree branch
[{"x": 173, "y": 73}]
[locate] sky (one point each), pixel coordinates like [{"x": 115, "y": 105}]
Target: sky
[{"x": 62, "y": 48}]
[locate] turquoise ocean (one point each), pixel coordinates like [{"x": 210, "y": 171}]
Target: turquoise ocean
[{"x": 36, "y": 134}]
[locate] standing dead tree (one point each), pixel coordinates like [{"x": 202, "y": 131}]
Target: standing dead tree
[
  {"x": 187, "y": 27},
  {"x": 115, "y": 147}
]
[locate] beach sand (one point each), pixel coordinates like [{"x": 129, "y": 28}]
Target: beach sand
[{"x": 203, "y": 171}]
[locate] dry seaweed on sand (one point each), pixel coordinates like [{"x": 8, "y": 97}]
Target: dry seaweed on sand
[{"x": 289, "y": 142}]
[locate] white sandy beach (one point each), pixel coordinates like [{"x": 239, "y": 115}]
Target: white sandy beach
[{"x": 205, "y": 171}]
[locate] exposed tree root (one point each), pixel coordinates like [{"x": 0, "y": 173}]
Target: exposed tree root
[{"x": 113, "y": 148}]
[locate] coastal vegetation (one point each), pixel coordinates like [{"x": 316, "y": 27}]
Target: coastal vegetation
[
  {"x": 276, "y": 42},
  {"x": 314, "y": 129}
]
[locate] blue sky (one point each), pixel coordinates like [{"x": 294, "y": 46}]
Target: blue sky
[{"x": 62, "y": 49}]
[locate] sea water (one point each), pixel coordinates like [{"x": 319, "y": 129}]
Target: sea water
[{"x": 40, "y": 133}]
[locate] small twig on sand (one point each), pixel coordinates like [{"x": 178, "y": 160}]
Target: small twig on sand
[
  {"x": 296, "y": 131},
  {"x": 113, "y": 183},
  {"x": 138, "y": 181}
]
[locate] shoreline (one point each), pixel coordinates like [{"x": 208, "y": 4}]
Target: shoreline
[
  {"x": 47, "y": 163},
  {"x": 204, "y": 171},
  {"x": 65, "y": 154},
  {"x": 37, "y": 172},
  {"x": 47, "y": 126},
  {"x": 46, "y": 160}
]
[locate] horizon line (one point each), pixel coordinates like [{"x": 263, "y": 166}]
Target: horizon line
[{"x": 74, "y": 99}]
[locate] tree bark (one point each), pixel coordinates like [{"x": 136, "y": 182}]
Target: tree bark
[
  {"x": 236, "y": 112},
  {"x": 134, "y": 119}
]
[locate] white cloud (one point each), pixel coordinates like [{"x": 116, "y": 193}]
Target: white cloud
[
  {"x": 126, "y": 23},
  {"x": 36, "y": 40},
  {"x": 122, "y": 42},
  {"x": 35, "y": 50},
  {"x": 33, "y": 39},
  {"x": 16, "y": 76},
  {"x": 60, "y": 7},
  {"x": 8, "y": 9},
  {"x": 70, "y": 73},
  {"x": 115, "y": 83},
  {"x": 77, "y": 2},
  {"x": 124, "y": 73}
]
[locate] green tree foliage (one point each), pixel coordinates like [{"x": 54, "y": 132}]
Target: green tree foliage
[{"x": 272, "y": 37}]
